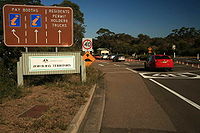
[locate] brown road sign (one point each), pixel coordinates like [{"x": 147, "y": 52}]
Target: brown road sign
[{"x": 38, "y": 26}]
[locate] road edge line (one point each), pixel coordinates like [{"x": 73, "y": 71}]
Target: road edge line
[
  {"x": 132, "y": 70},
  {"x": 178, "y": 95}
]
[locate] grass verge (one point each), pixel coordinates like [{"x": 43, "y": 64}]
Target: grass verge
[{"x": 63, "y": 95}]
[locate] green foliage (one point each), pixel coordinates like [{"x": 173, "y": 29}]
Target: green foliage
[
  {"x": 94, "y": 75},
  {"x": 8, "y": 88},
  {"x": 187, "y": 41},
  {"x": 79, "y": 27},
  {"x": 104, "y": 32}
]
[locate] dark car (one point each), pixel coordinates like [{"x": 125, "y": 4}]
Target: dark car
[
  {"x": 159, "y": 62},
  {"x": 118, "y": 58}
]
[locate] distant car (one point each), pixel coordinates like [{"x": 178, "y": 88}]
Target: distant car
[
  {"x": 111, "y": 57},
  {"x": 105, "y": 57},
  {"x": 159, "y": 62},
  {"x": 119, "y": 58},
  {"x": 98, "y": 57}
]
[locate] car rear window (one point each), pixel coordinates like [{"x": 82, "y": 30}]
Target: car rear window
[{"x": 162, "y": 57}]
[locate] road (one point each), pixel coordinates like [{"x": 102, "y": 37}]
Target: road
[{"x": 139, "y": 101}]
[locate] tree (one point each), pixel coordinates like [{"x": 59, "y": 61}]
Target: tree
[
  {"x": 79, "y": 27},
  {"x": 185, "y": 39},
  {"x": 104, "y": 32}
]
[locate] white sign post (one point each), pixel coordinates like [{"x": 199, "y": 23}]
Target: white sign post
[
  {"x": 87, "y": 44},
  {"x": 174, "y": 48}
]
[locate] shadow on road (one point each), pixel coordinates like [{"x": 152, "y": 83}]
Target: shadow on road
[{"x": 156, "y": 70}]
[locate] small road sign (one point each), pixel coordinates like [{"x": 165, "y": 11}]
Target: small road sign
[
  {"x": 87, "y": 44},
  {"x": 150, "y": 50},
  {"x": 37, "y": 26},
  {"x": 88, "y": 58},
  {"x": 174, "y": 47},
  {"x": 36, "y": 20},
  {"x": 14, "y": 20}
]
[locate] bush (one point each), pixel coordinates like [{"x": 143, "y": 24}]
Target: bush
[
  {"x": 142, "y": 57},
  {"x": 8, "y": 87},
  {"x": 94, "y": 75}
]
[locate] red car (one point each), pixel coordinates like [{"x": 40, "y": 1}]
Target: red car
[{"x": 159, "y": 62}]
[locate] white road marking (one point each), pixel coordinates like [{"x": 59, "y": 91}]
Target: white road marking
[
  {"x": 116, "y": 65},
  {"x": 131, "y": 70},
  {"x": 154, "y": 75},
  {"x": 101, "y": 65},
  {"x": 127, "y": 63},
  {"x": 178, "y": 95}
]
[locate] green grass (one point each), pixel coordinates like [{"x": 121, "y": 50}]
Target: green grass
[{"x": 9, "y": 89}]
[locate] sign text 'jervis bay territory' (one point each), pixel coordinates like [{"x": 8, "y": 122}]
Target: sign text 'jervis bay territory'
[
  {"x": 38, "y": 26},
  {"x": 51, "y": 63}
]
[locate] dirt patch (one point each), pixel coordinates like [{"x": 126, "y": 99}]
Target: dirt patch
[
  {"x": 63, "y": 102},
  {"x": 35, "y": 112}
]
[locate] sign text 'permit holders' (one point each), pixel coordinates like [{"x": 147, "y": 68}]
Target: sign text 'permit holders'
[{"x": 37, "y": 26}]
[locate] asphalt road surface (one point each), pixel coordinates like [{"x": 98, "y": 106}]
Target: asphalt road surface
[{"x": 140, "y": 101}]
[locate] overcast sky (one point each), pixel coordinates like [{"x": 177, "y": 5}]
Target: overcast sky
[{"x": 155, "y": 18}]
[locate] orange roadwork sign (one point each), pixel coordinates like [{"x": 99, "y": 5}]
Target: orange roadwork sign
[
  {"x": 150, "y": 50},
  {"x": 37, "y": 26},
  {"x": 88, "y": 58}
]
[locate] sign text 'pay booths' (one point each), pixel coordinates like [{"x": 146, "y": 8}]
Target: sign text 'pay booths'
[{"x": 38, "y": 26}]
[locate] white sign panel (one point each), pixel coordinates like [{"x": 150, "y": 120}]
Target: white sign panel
[
  {"x": 51, "y": 63},
  {"x": 174, "y": 47},
  {"x": 87, "y": 44}
]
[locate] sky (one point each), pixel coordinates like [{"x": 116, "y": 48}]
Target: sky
[{"x": 155, "y": 18}]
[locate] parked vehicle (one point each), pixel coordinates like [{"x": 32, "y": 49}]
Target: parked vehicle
[
  {"x": 119, "y": 58},
  {"x": 111, "y": 57},
  {"x": 105, "y": 56},
  {"x": 159, "y": 62},
  {"x": 98, "y": 57}
]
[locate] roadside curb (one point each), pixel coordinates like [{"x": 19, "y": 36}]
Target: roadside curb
[
  {"x": 80, "y": 115},
  {"x": 102, "y": 111}
]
